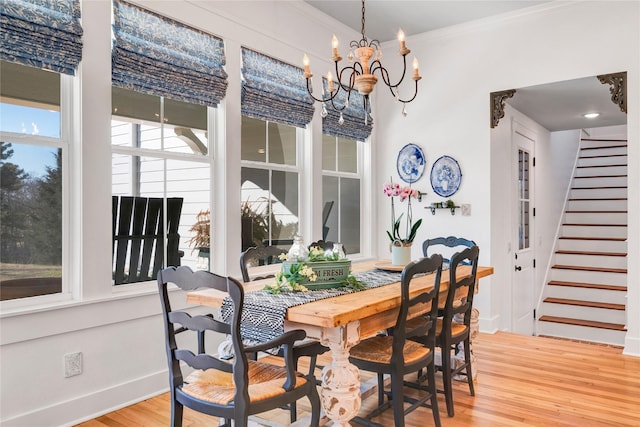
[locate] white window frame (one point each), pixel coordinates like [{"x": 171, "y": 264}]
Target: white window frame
[
  {"x": 279, "y": 167},
  {"x": 353, "y": 175},
  {"x": 212, "y": 123},
  {"x": 68, "y": 133}
]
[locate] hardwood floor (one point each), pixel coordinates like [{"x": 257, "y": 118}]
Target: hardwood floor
[{"x": 522, "y": 381}]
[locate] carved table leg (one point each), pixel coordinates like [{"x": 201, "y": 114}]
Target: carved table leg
[{"x": 340, "y": 392}]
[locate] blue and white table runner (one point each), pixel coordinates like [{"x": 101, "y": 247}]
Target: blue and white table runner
[{"x": 264, "y": 313}]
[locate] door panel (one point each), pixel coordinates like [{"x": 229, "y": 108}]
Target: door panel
[{"x": 523, "y": 299}]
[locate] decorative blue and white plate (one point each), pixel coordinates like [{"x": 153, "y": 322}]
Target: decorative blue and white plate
[
  {"x": 445, "y": 176},
  {"x": 411, "y": 163}
]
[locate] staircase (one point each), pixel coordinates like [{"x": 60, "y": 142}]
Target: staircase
[{"x": 586, "y": 294}]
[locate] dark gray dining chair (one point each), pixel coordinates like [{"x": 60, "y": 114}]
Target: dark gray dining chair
[
  {"x": 231, "y": 391},
  {"x": 395, "y": 355},
  {"x": 445, "y": 246},
  {"x": 309, "y": 348},
  {"x": 450, "y": 330}
]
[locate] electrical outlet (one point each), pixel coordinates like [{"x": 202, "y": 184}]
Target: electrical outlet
[
  {"x": 466, "y": 209},
  {"x": 72, "y": 364}
]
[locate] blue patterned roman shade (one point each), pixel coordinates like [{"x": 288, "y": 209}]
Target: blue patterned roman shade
[
  {"x": 273, "y": 90},
  {"x": 158, "y": 56},
  {"x": 41, "y": 33},
  {"x": 357, "y": 122}
]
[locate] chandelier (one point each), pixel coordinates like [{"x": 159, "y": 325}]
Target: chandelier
[{"x": 360, "y": 74}]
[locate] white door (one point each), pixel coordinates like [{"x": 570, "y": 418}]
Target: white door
[{"x": 523, "y": 241}]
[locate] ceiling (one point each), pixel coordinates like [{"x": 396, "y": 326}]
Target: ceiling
[
  {"x": 561, "y": 105},
  {"x": 384, "y": 17},
  {"x": 555, "y": 106}
]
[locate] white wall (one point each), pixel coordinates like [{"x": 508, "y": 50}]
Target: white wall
[
  {"x": 119, "y": 331},
  {"x": 460, "y": 66}
]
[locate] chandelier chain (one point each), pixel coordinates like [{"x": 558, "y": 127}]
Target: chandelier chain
[{"x": 363, "y": 36}]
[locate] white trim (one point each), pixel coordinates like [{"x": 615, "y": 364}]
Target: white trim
[
  {"x": 631, "y": 346},
  {"x": 112, "y": 398},
  {"x": 489, "y": 325},
  {"x": 27, "y": 138}
]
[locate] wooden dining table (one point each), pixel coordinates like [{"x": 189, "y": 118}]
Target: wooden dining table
[{"x": 340, "y": 323}]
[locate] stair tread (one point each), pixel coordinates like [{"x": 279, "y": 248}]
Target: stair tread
[
  {"x": 602, "y": 156},
  {"x": 604, "y": 140},
  {"x": 593, "y": 225},
  {"x": 598, "y": 253},
  {"x": 602, "y": 176},
  {"x": 594, "y": 199},
  {"x": 582, "y": 303},
  {"x": 613, "y": 239},
  {"x": 599, "y": 187},
  {"x": 588, "y": 285},
  {"x": 580, "y": 322},
  {"x": 574, "y": 211},
  {"x": 600, "y": 166},
  {"x": 579, "y": 224},
  {"x": 586, "y": 268}
]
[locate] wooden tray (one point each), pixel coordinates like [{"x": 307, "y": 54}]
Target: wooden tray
[{"x": 387, "y": 266}]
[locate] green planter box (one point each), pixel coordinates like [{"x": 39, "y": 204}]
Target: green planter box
[{"x": 330, "y": 273}]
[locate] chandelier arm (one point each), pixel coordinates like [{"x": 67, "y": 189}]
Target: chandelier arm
[
  {"x": 352, "y": 78},
  {"x": 406, "y": 101},
  {"x": 354, "y": 68},
  {"x": 352, "y": 83},
  {"x": 387, "y": 80},
  {"x": 335, "y": 107},
  {"x": 377, "y": 65},
  {"x": 333, "y": 94}
]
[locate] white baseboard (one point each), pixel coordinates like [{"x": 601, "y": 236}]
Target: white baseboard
[
  {"x": 489, "y": 325},
  {"x": 87, "y": 407},
  {"x": 631, "y": 346}
]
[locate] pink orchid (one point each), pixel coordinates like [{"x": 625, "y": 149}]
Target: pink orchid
[
  {"x": 391, "y": 190},
  {"x": 396, "y": 189}
]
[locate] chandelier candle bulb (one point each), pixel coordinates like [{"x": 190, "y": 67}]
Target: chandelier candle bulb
[
  {"x": 334, "y": 44},
  {"x": 330, "y": 81},
  {"x": 416, "y": 74},
  {"x": 403, "y": 46},
  {"x": 307, "y": 69}
]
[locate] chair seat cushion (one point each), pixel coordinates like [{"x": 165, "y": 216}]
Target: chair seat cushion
[
  {"x": 416, "y": 322},
  {"x": 265, "y": 381},
  {"x": 378, "y": 350},
  {"x": 456, "y": 328}
]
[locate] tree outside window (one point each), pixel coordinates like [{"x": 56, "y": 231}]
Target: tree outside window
[{"x": 31, "y": 187}]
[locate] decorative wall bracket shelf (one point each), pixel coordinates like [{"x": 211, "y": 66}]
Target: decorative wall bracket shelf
[
  {"x": 618, "y": 90},
  {"x": 497, "y": 101},
  {"x": 433, "y": 209}
]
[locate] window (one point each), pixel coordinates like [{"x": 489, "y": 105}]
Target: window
[
  {"x": 33, "y": 159},
  {"x": 160, "y": 150},
  {"x": 341, "y": 192},
  {"x": 270, "y": 183}
]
